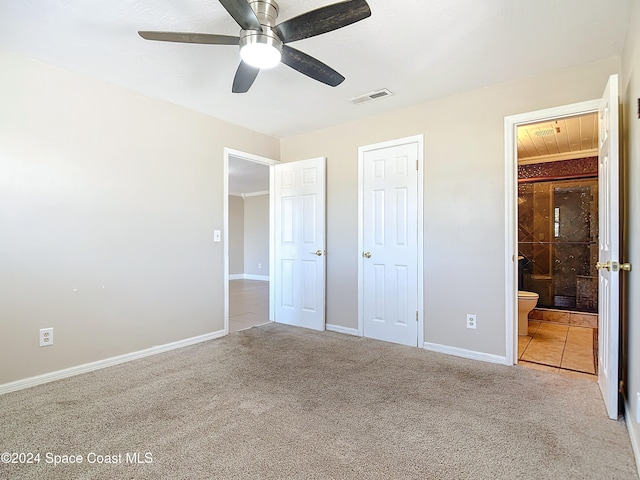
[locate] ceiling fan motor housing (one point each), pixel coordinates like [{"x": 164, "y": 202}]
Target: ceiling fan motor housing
[{"x": 267, "y": 13}]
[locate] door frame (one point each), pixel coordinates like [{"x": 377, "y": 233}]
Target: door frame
[
  {"x": 250, "y": 157},
  {"x": 511, "y": 124},
  {"x": 419, "y": 139}
]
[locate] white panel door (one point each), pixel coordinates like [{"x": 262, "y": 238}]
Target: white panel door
[
  {"x": 300, "y": 243},
  {"x": 608, "y": 261},
  {"x": 390, "y": 243}
]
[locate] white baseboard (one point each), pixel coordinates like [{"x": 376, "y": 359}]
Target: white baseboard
[
  {"x": 339, "y": 329},
  {"x": 107, "y": 362},
  {"x": 461, "y": 352},
  {"x": 634, "y": 433},
  {"x": 263, "y": 278},
  {"x": 248, "y": 276}
]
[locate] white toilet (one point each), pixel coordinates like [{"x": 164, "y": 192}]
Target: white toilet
[{"x": 527, "y": 301}]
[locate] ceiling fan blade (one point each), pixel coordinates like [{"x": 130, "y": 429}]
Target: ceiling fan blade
[
  {"x": 183, "y": 37},
  {"x": 310, "y": 66},
  {"x": 323, "y": 20},
  {"x": 245, "y": 76},
  {"x": 242, "y": 13}
]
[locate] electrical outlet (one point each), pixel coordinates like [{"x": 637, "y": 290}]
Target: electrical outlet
[
  {"x": 471, "y": 321},
  {"x": 259, "y": 265},
  {"x": 46, "y": 337}
]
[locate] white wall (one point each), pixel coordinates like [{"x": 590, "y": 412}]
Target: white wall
[
  {"x": 108, "y": 202},
  {"x": 256, "y": 235},
  {"x": 236, "y": 235},
  {"x": 464, "y": 219},
  {"x": 630, "y": 91}
]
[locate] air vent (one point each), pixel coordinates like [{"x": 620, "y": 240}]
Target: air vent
[
  {"x": 371, "y": 96},
  {"x": 544, "y": 133}
]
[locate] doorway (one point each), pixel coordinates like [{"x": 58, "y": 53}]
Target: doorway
[
  {"x": 608, "y": 265},
  {"x": 248, "y": 245},
  {"x": 557, "y": 234}
]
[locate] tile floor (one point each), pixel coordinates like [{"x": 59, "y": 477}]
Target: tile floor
[
  {"x": 248, "y": 304},
  {"x": 558, "y": 348}
]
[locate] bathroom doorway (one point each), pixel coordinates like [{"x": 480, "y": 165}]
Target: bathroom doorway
[
  {"x": 609, "y": 203},
  {"x": 557, "y": 234}
]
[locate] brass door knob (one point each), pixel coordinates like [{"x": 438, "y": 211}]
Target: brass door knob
[
  {"x": 614, "y": 266},
  {"x": 317, "y": 252},
  {"x": 366, "y": 254}
]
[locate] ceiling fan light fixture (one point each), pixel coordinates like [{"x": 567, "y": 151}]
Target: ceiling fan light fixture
[{"x": 260, "y": 50}]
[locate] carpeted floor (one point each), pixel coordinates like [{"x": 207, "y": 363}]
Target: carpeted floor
[{"x": 281, "y": 402}]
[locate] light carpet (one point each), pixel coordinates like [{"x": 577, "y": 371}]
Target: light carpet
[{"x": 283, "y": 402}]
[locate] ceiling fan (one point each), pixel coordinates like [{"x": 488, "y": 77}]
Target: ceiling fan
[{"x": 263, "y": 42}]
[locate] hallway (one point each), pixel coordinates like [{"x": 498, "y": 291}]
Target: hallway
[{"x": 248, "y": 304}]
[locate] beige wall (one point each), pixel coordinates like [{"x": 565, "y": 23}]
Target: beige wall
[
  {"x": 630, "y": 92},
  {"x": 236, "y": 235},
  {"x": 256, "y": 235},
  {"x": 464, "y": 219},
  {"x": 108, "y": 202}
]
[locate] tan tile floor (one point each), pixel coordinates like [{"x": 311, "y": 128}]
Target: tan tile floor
[
  {"x": 558, "y": 348},
  {"x": 248, "y": 304}
]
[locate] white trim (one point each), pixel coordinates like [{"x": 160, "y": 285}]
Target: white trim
[
  {"x": 341, "y": 329},
  {"x": 256, "y": 194},
  {"x": 511, "y": 124},
  {"x": 421, "y": 172},
  {"x": 464, "y": 353},
  {"x": 228, "y": 152},
  {"x": 272, "y": 245},
  {"x": 107, "y": 362},
  {"x": 560, "y": 156},
  {"x": 248, "y": 276},
  {"x": 262, "y": 278},
  {"x": 634, "y": 433},
  {"x": 249, "y": 194},
  {"x": 419, "y": 139}
]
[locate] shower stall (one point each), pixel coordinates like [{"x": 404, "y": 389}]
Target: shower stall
[{"x": 558, "y": 242}]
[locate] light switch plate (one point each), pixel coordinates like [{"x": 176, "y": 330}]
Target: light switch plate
[{"x": 217, "y": 236}]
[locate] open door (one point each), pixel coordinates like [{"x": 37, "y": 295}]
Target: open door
[
  {"x": 608, "y": 258},
  {"x": 300, "y": 243}
]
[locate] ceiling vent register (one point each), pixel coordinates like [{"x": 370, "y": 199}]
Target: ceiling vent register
[{"x": 371, "y": 96}]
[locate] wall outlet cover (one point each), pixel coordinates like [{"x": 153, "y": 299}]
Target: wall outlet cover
[
  {"x": 471, "y": 321},
  {"x": 46, "y": 337}
]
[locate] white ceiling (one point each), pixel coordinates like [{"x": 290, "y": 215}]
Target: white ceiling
[
  {"x": 419, "y": 49},
  {"x": 247, "y": 177}
]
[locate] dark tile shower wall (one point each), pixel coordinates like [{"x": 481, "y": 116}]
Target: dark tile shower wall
[{"x": 558, "y": 236}]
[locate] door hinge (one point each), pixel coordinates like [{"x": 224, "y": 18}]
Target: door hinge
[
  {"x": 417, "y": 164},
  {"x": 416, "y": 315},
  {"x": 621, "y": 387}
]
